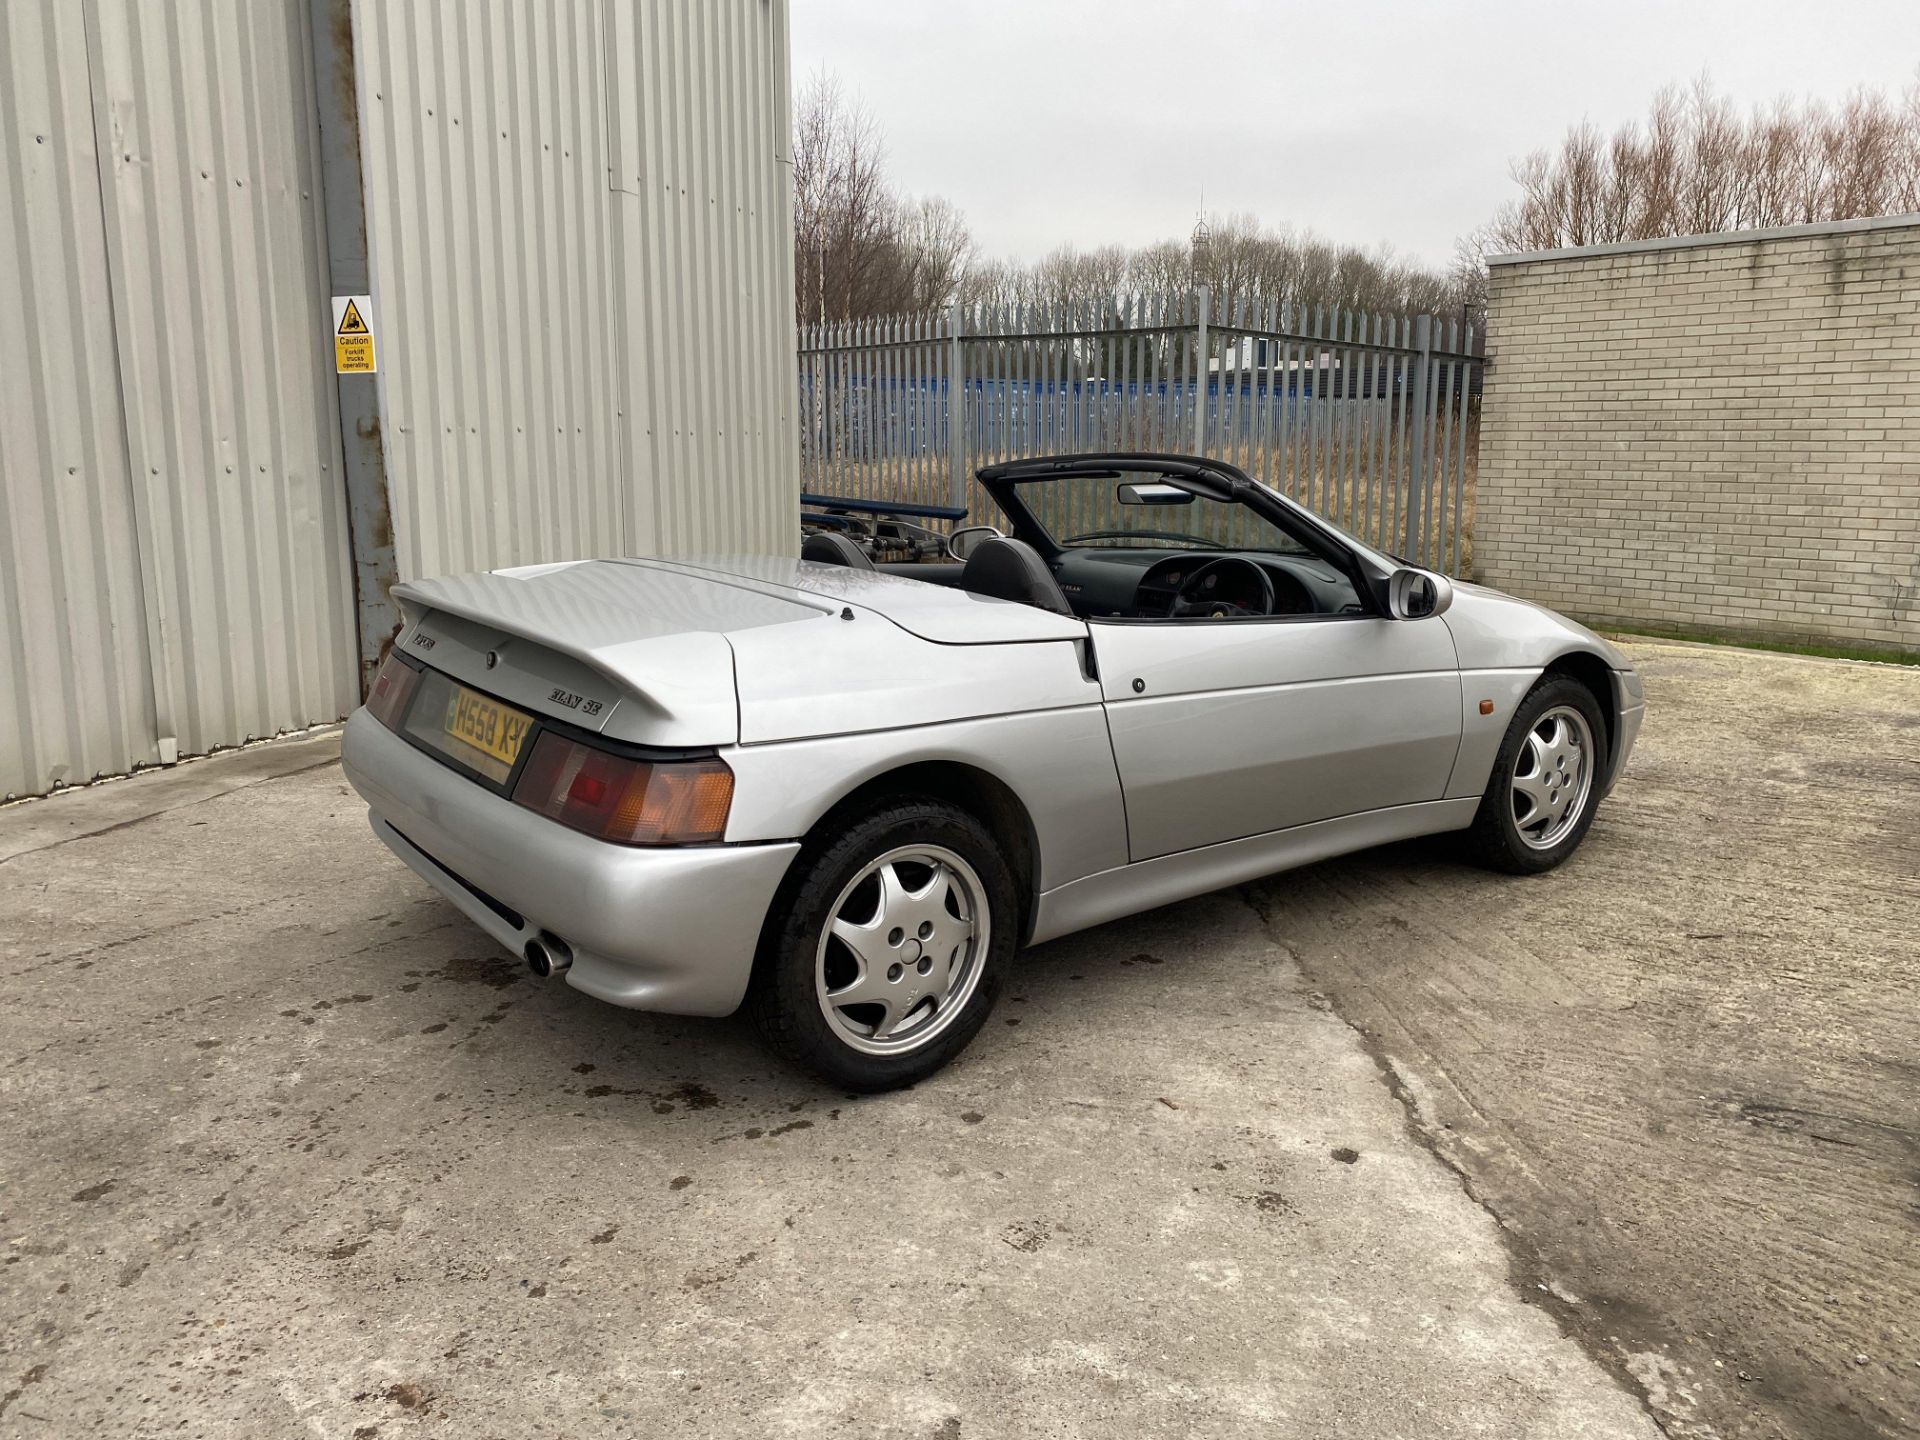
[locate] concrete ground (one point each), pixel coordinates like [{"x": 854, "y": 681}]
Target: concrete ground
[
  {"x": 286, "y": 1147},
  {"x": 1684, "y": 1070}
]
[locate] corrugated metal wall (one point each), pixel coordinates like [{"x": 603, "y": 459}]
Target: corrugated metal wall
[
  {"x": 171, "y": 507},
  {"x": 579, "y": 233},
  {"x": 704, "y": 269},
  {"x": 75, "y": 687},
  {"x": 579, "y": 230},
  {"x": 233, "y": 432}
]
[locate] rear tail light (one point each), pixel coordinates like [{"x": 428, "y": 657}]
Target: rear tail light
[
  {"x": 630, "y": 802},
  {"x": 393, "y": 686}
]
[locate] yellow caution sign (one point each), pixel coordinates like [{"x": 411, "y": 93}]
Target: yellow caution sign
[{"x": 353, "y": 335}]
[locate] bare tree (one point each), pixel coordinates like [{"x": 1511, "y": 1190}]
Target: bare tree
[
  {"x": 1696, "y": 166},
  {"x": 859, "y": 248},
  {"x": 1243, "y": 262},
  {"x": 816, "y": 137},
  {"x": 938, "y": 249},
  {"x": 1467, "y": 279},
  {"x": 1250, "y": 262},
  {"x": 1066, "y": 277},
  {"x": 846, "y": 220},
  {"x": 1163, "y": 268}
]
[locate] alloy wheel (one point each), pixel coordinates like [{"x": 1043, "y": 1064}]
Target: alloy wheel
[
  {"x": 902, "y": 950},
  {"x": 1552, "y": 777}
]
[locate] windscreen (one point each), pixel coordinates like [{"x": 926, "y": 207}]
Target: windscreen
[{"x": 1084, "y": 511}]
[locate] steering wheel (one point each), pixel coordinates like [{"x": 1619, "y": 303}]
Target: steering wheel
[{"x": 1206, "y": 591}]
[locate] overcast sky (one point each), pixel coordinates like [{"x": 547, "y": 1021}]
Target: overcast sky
[{"x": 1056, "y": 121}]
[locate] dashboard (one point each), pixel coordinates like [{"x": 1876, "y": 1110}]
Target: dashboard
[{"x": 1141, "y": 584}]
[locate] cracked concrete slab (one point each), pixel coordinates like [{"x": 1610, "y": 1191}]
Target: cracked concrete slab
[
  {"x": 1684, "y": 1069},
  {"x": 290, "y": 1149},
  {"x": 104, "y": 805}
]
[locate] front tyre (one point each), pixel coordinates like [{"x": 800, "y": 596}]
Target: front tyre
[
  {"x": 885, "y": 949},
  {"x": 1545, "y": 785}
]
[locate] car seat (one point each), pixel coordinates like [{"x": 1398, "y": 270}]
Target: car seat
[
  {"x": 830, "y": 547},
  {"x": 1005, "y": 569}
]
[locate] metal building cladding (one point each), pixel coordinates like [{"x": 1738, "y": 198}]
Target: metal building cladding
[{"x": 565, "y": 227}]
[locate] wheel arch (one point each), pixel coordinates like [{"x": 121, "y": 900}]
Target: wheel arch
[
  {"x": 982, "y": 794},
  {"x": 1596, "y": 675}
]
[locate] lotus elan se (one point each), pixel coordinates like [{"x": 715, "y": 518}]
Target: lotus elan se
[{"x": 844, "y": 795}]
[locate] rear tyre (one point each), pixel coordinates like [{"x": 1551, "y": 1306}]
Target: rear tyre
[
  {"x": 1540, "y": 800},
  {"x": 885, "y": 949}
]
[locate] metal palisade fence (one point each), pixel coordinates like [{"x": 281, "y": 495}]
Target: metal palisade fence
[{"x": 1369, "y": 420}]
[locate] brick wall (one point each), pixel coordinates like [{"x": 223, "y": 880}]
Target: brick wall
[{"x": 1718, "y": 436}]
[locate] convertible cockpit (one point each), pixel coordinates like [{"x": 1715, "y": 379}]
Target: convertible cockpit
[
  {"x": 1148, "y": 584},
  {"x": 1139, "y": 538},
  {"x": 1148, "y": 538}
]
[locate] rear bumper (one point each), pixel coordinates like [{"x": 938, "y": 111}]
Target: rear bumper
[{"x": 670, "y": 929}]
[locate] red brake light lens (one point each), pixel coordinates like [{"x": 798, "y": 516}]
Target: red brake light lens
[
  {"x": 393, "y": 686},
  {"x": 630, "y": 802}
]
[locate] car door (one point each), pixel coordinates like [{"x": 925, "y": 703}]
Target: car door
[{"x": 1240, "y": 727}]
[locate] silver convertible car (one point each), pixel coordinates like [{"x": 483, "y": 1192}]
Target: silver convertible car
[{"x": 844, "y": 796}]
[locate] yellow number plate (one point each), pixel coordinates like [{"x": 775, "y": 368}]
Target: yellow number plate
[{"x": 487, "y": 725}]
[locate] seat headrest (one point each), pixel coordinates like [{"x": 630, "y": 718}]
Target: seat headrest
[
  {"x": 1008, "y": 569},
  {"x": 830, "y": 547}
]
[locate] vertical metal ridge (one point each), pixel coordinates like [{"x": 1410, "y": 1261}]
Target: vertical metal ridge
[
  {"x": 578, "y": 244},
  {"x": 570, "y": 311},
  {"x": 74, "y": 684},
  {"x": 190, "y": 586},
  {"x": 325, "y": 528}
]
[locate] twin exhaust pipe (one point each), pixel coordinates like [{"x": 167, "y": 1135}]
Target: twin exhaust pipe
[{"x": 548, "y": 955}]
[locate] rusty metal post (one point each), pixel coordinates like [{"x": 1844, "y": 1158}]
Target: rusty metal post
[{"x": 343, "y": 203}]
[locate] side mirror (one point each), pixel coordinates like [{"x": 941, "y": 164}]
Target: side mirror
[
  {"x": 1416, "y": 594},
  {"x": 964, "y": 541}
]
